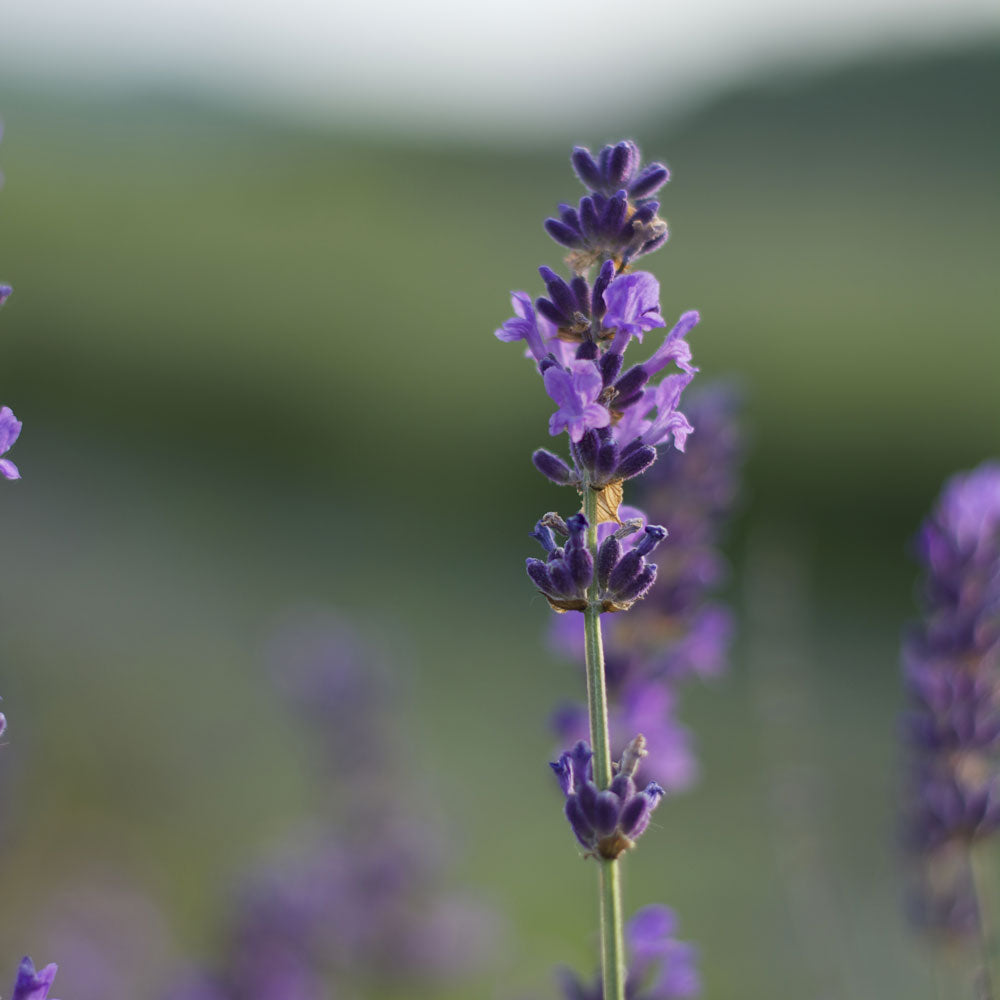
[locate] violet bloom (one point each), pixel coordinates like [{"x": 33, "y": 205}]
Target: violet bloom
[
  {"x": 5, "y": 291},
  {"x": 659, "y": 966},
  {"x": 576, "y": 391},
  {"x": 621, "y": 572},
  {"x": 633, "y": 307},
  {"x": 10, "y": 428},
  {"x": 32, "y": 984},
  {"x": 618, "y": 220},
  {"x": 951, "y": 668},
  {"x": 524, "y": 326},
  {"x": 607, "y": 823}
]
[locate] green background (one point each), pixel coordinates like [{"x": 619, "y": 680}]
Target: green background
[{"x": 256, "y": 370}]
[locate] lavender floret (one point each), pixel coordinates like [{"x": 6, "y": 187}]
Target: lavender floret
[
  {"x": 618, "y": 220},
  {"x": 32, "y": 984},
  {"x": 606, "y": 823}
]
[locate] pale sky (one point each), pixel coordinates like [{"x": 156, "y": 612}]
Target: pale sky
[{"x": 458, "y": 66}]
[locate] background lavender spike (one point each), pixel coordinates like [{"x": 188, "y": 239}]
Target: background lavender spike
[
  {"x": 355, "y": 901},
  {"x": 951, "y": 731},
  {"x": 660, "y": 966}
]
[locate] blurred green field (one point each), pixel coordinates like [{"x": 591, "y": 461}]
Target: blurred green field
[{"x": 256, "y": 369}]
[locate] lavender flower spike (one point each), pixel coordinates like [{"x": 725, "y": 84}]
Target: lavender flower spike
[
  {"x": 607, "y": 823},
  {"x": 32, "y": 985},
  {"x": 951, "y": 665},
  {"x": 10, "y": 428}
]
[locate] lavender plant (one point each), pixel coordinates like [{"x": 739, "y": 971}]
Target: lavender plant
[
  {"x": 353, "y": 901},
  {"x": 596, "y": 561},
  {"x": 951, "y": 669}
]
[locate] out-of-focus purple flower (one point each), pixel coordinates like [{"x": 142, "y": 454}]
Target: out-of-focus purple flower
[
  {"x": 650, "y": 709},
  {"x": 31, "y": 984},
  {"x": 575, "y": 391},
  {"x": 607, "y": 823},
  {"x": 358, "y": 900},
  {"x": 659, "y": 966},
  {"x": 951, "y": 668},
  {"x": 5, "y": 291},
  {"x": 10, "y": 428}
]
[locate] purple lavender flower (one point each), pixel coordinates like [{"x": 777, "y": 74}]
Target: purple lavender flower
[
  {"x": 607, "y": 823},
  {"x": 10, "y": 428},
  {"x": 618, "y": 219},
  {"x": 660, "y": 967},
  {"x": 576, "y": 391},
  {"x": 951, "y": 668},
  {"x": 526, "y": 326},
  {"x": 32, "y": 984},
  {"x": 616, "y": 167},
  {"x": 5, "y": 291},
  {"x": 649, "y": 707},
  {"x": 622, "y": 574},
  {"x": 633, "y": 307}
]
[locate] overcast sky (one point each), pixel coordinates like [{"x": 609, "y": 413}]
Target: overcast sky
[{"x": 453, "y": 64}]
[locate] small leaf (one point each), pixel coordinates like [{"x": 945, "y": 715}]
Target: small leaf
[{"x": 609, "y": 499}]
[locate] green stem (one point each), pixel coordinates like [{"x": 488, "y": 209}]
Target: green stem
[
  {"x": 981, "y": 870},
  {"x": 612, "y": 942}
]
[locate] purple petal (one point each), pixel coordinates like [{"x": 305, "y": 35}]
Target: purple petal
[{"x": 32, "y": 985}]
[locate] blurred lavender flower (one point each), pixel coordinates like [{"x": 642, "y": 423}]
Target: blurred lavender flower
[
  {"x": 10, "y": 428},
  {"x": 356, "y": 902},
  {"x": 5, "y": 291},
  {"x": 951, "y": 669},
  {"x": 660, "y": 967},
  {"x": 31, "y": 984}
]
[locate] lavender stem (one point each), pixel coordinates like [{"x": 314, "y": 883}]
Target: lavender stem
[
  {"x": 612, "y": 938},
  {"x": 981, "y": 871}
]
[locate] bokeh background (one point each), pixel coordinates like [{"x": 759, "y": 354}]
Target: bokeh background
[{"x": 258, "y": 260}]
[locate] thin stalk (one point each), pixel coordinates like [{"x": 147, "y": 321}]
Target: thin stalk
[
  {"x": 981, "y": 870},
  {"x": 612, "y": 939}
]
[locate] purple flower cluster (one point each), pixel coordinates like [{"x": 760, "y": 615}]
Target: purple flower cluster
[
  {"x": 660, "y": 967},
  {"x": 354, "y": 903},
  {"x": 32, "y": 984},
  {"x": 620, "y": 570},
  {"x": 607, "y": 822},
  {"x": 951, "y": 669},
  {"x": 577, "y": 333},
  {"x": 678, "y": 632},
  {"x": 618, "y": 218}
]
